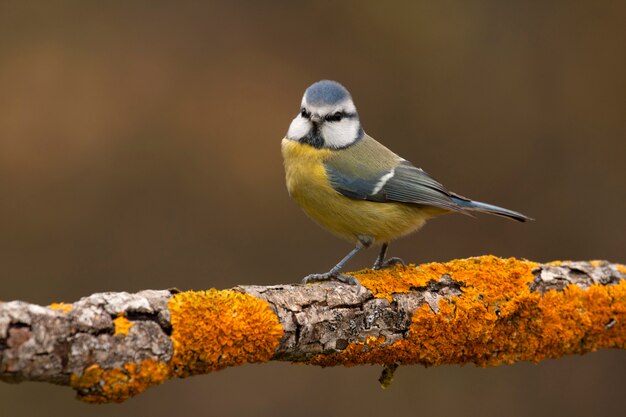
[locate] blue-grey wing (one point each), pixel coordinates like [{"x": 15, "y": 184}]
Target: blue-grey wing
[{"x": 402, "y": 183}]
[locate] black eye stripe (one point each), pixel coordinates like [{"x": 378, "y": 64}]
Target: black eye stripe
[
  {"x": 335, "y": 117},
  {"x": 338, "y": 116}
]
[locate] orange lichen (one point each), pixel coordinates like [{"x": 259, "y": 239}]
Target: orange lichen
[
  {"x": 215, "y": 329},
  {"x": 122, "y": 325},
  {"x": 89, "y": 379},
  {"x": 496, "y": 319},
  {"x": 62, "y": 307},
  {"x": 488, "y": 274},
  {"x": 97, "y": 385},
  {"x": 210, "y": 331},
  {"x": 380, "y": 284}
]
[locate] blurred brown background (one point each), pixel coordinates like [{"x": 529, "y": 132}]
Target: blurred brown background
[{"x": 139, "y": 148}]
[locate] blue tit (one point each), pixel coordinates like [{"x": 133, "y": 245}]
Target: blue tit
[{"x": 354, "y": 186}]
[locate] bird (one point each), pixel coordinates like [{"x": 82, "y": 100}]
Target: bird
[{"x": 357, "y": 188}]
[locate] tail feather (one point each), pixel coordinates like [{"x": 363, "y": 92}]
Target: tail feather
[{"x": 490, "y": 209}]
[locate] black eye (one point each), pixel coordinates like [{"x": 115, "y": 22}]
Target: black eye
[
  {"x": 305, "y": 113},
  {"x": 334, "y": 117}
]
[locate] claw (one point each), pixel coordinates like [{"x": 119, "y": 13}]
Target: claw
[
  {"x": 346, "y": 279},
  {"x": 316, "y": 278},
  {"x": 350, "y": 280},
  {"x": 389, "y": 263}
]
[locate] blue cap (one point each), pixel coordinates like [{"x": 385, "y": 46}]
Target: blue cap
[{"x": 326, "y": 93}]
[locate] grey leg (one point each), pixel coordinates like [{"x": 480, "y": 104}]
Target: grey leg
[
  {"x": 380, "y": 261},
  {"x": 381, "y": 256},
  {"x": 335, "y": 272}
]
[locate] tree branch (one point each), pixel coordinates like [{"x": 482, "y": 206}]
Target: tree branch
[{"x": 485, "y": 310}]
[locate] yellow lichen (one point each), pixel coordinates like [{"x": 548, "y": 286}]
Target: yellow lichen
[
  {"x": 122, "y": 325},
  {"x": 62, "y": 307},
  {"x": 496, "y": 319},
  {"x": 97, "y": 385},
  {"x": 215, "y": 329}
]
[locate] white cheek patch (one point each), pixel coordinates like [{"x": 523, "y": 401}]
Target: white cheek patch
[
  {"x": 298, "y": 128},
  {"x": 336, "y": 134},
  {"x": 340, "y": 134}
]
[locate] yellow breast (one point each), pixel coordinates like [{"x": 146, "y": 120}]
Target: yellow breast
[
  {"x": 307, "y": 183},
  {"x": 304, "y": 166}
]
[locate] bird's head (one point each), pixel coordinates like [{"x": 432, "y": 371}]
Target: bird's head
[{"x": 327, "y": 117}]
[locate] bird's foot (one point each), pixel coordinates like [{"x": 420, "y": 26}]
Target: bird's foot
[
  {"x": 388, "y": 263},
  {"x": 346, "y": 279}
]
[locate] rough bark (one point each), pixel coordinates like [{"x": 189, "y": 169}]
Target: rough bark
[
  {"x": 60, "y": 343},
  {"x": 46, "y": 344}
]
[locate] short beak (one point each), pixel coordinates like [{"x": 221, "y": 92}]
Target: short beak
[{"x": 316, "y": 119}]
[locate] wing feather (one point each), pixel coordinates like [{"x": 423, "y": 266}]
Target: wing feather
[{"x": 404, "y": 183}]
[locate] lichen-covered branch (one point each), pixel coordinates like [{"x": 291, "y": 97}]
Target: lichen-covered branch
[{"x": 484, "y": 310}]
